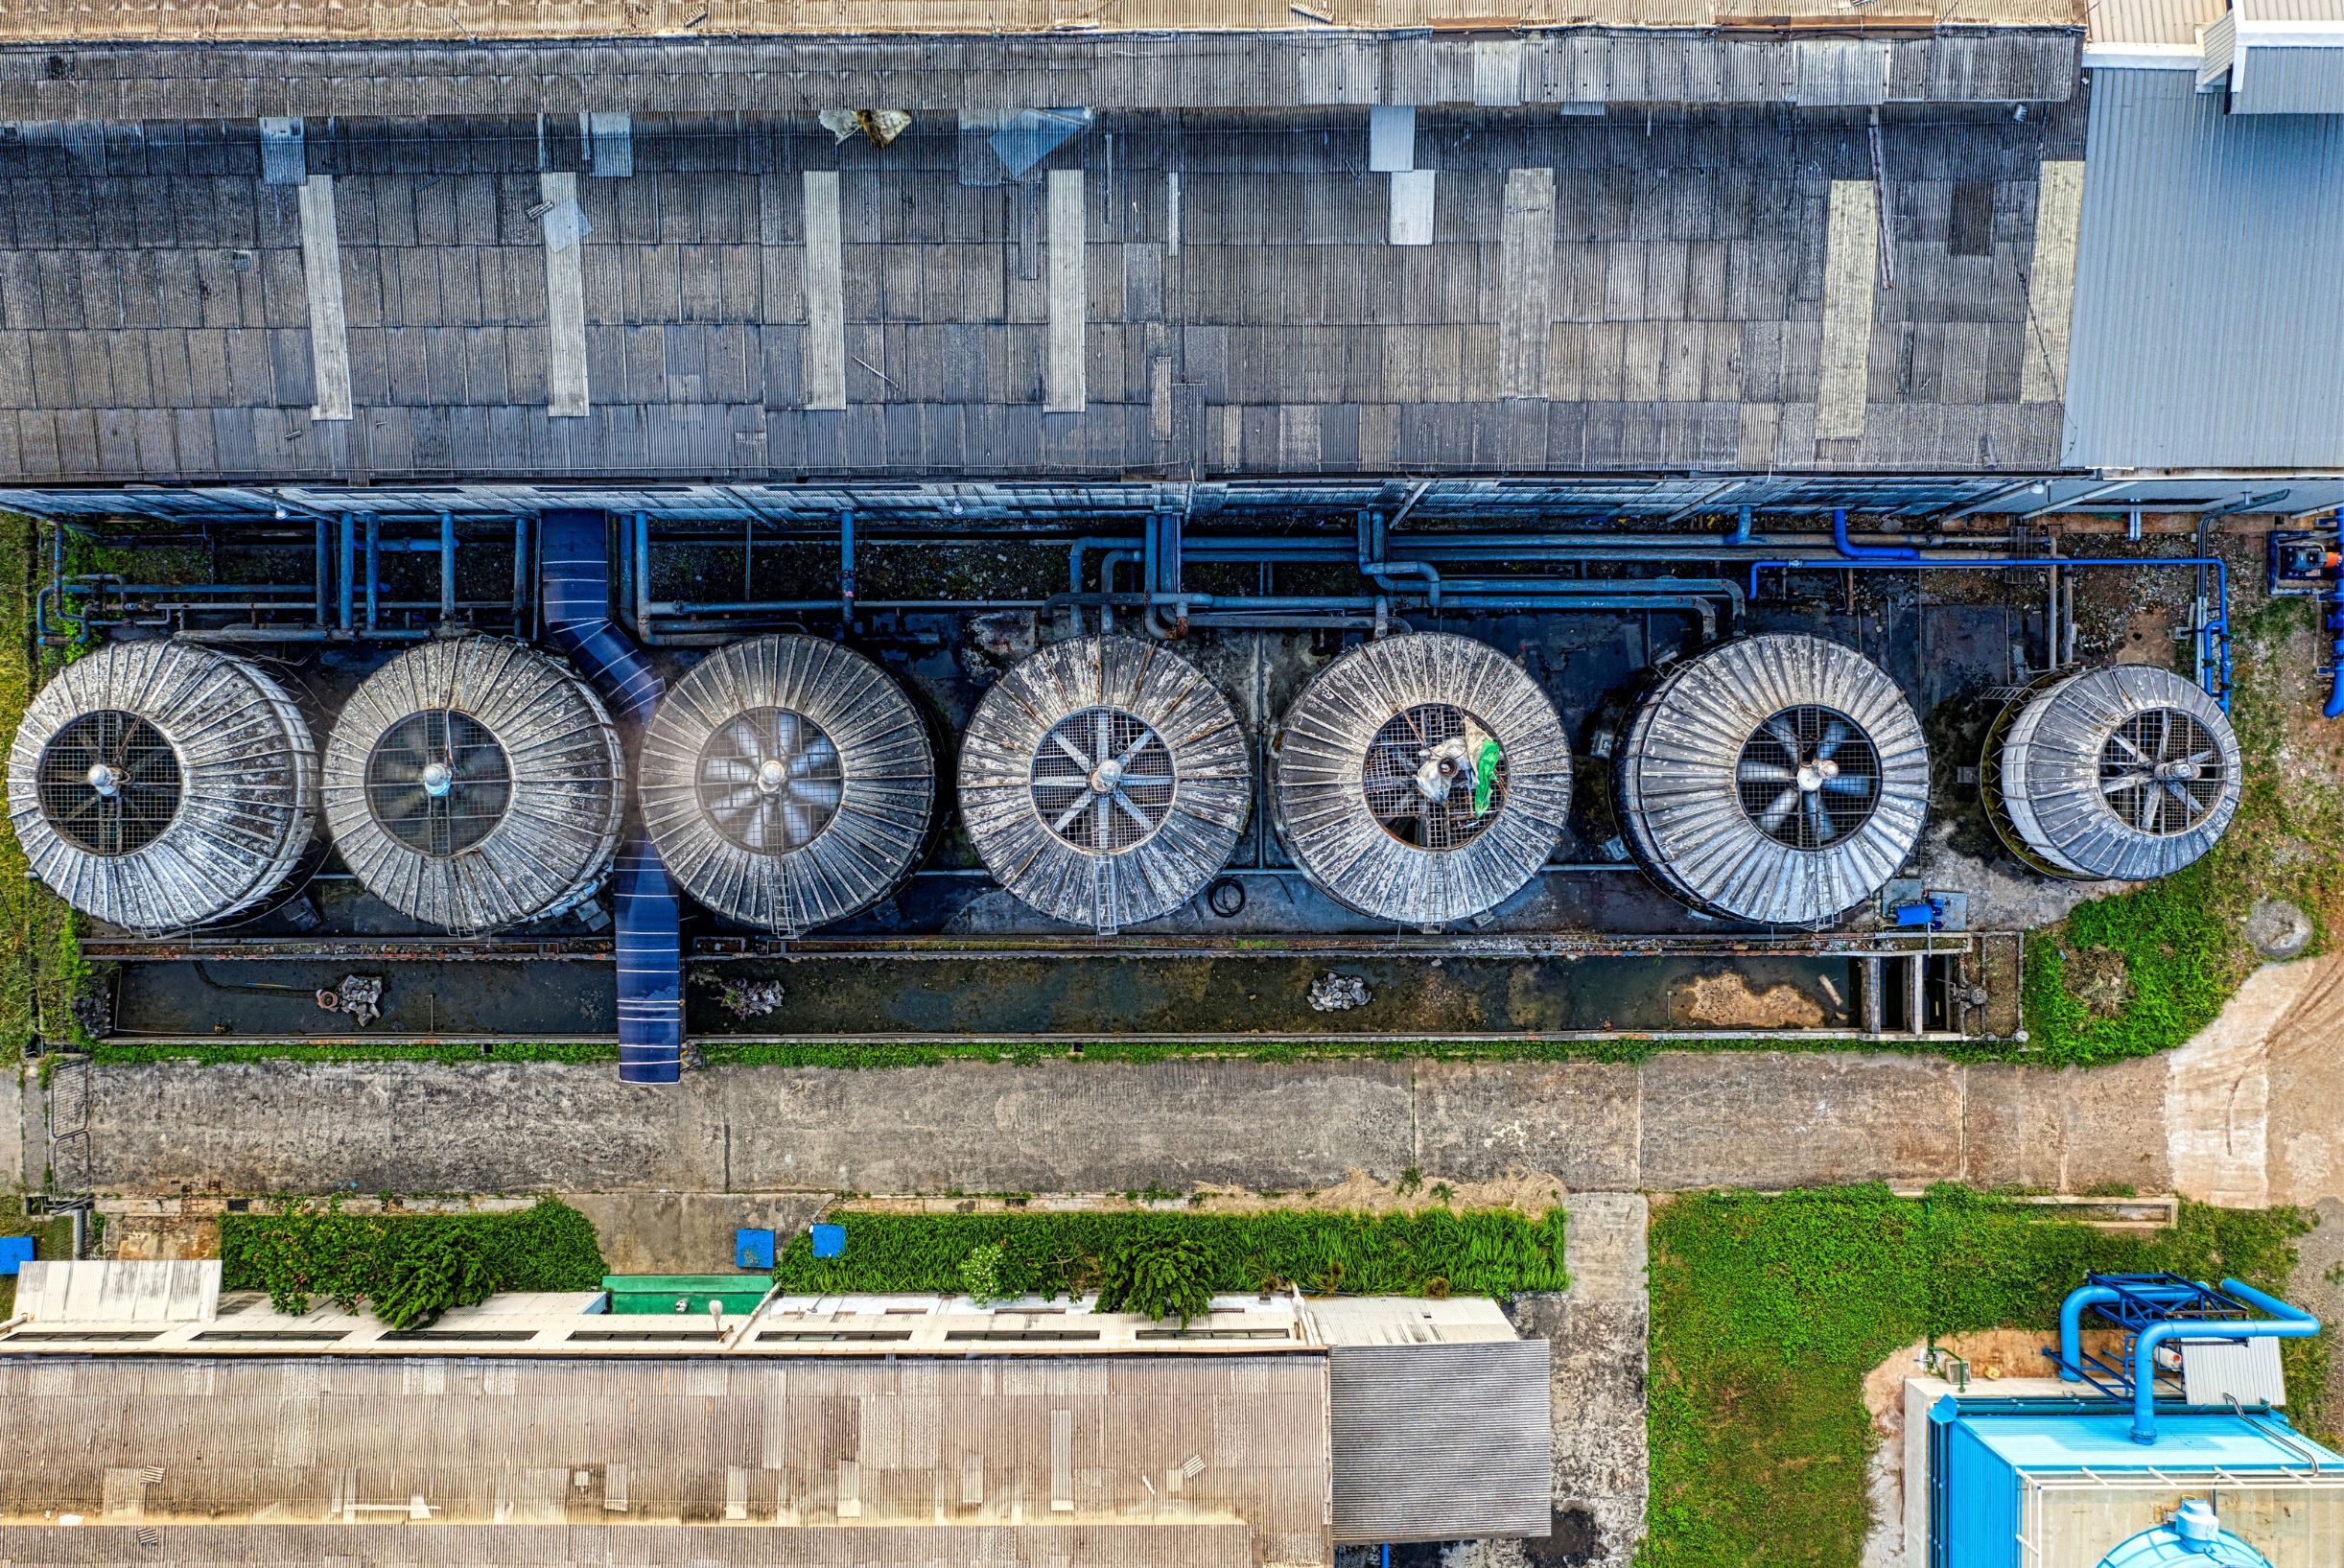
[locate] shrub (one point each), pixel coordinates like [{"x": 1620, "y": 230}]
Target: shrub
[
  {"x": 981, "y": 1274},
  {"x": 1160, "y": 1277},
  {"x": 411, "y": 1261}
]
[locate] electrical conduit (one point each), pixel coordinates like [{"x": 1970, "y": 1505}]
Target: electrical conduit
[{"x": 573, "y": 572}]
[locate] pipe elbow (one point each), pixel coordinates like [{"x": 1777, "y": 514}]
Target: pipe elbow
[
  {"x": 2334, "y": 706},
  {"x": 1854, "y": 551}
]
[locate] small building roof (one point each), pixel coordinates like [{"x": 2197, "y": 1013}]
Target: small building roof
[{"x": 2192, "y": 1441}]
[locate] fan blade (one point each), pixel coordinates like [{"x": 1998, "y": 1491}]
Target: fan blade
[
  {"x": 1136, "y": 815},
  {"x": 785, "y": 732},
  {"x": 1764, "y": 773},
  {"x": 813, "y": 792},
  {"x": 1059, "y": 737},
  {"x": 1778, "y": 811},
  {"x": 1066, "y": 817},
  {"x": 2148, "y": 813},
  {"x": 1817, "y": 819},
  {"x": 1835, "y": 735},
  {"x": 1782, "y": 732},
  {"x": 2121, "y": 783},
  {"x": 2118, "y": 740},
  {"x": 2165, "y": 730},
  {"x": 1848, "y": 785},
  {"x": 2197, "y": 759},
  {"x": 1106, "y": 738},
  {"x": 1068, "y": 782},
  {"x": 1147, "y": 779},
  {"x": 746, "y": 743},
  {"x": 2189, "y": 802}
]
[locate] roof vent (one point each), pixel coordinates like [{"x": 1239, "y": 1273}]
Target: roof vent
[
  {"x": 1421, "y": 778},
  {"x": 787, "y": 782},
  {"x": 1104, "y": 781},
  {"x": 475, "y": 783},
  {"x": 2127, "y": 772},
  {"x": 162, "y": 786},
  {"x": 1780, "y": 780}
]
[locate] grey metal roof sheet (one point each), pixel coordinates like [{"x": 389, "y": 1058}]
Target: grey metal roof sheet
[
  {"x": 1441, "y": 1441},
  {"x": 2207, "y": 305}
]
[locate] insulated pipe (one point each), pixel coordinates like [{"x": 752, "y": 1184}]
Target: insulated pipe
[
  {"x": 1865, "y": 553},
  {"x": 575, "y": 588},
  {"x": 2286, "y": 1322}
]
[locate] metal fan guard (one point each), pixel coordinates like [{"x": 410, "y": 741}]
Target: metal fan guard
[
  {"x": 1793, "y": 753},
  {"x": 109, "y": 783},
  {"x": 790, "y": 765},
  {"x": 1103, "y": 781},
  {"x": 1388, "y": 776},
  {"x": 439, "y": 781},
  {"x": 2142, "y": 777}
]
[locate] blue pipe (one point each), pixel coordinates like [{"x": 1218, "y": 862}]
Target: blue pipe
[
  {"x": 2215, "y": 634},
  {"x": 2334, "y": 708},
  {"x": 574, "y": 576},
  {"x": 2286, "y": 1322},
  {"x": 1865, "y": 553}
]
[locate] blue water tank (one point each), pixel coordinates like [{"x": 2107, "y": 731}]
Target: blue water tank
[{"x": 2190, "y": 1540}]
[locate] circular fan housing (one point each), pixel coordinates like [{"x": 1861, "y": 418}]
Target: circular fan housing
[
  {"x": 162, "y": 786},
  {"x": 787, "y": 782},
  {"x": 1104, "y": 781},
  {"x": 1780, "y": 779},
  {"x": 475, "y": 783},
  {"x": 2127, "y": 772},
  {"x": 1386, "y": 791}
]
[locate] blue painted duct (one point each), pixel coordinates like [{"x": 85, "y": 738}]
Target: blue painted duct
[
  {"x": 2334, "y": 708},
  {"x": 574, "y": 570},
  {"x": 1866, "y": 552}
]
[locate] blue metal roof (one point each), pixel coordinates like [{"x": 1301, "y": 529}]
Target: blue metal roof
[
  {"x": 2190, "y": 1441},
  {"x": 2209, "y": 317}
]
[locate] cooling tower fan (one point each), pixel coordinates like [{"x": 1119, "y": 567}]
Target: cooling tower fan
[
  {"x": 2127, "y": 772},
  {"x": 475, "y": 783},
  {"x": 1780, "y": 779},
  {"x": 1104, "y": 781},
  {"x": 162, "y": 786},
  {"x": 787, "y": 782},
  {"x": 1421, "y": 778}
]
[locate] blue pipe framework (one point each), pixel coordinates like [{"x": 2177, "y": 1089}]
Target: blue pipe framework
[
  {"x": 573, "y": 574},
  {"x": 2153, "y": 1310}
]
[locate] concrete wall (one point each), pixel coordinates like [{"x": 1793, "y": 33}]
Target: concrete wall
[{"x": 1680, "y": 1120}]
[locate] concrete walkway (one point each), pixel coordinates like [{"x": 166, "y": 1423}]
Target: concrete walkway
[{"x": 2246, "y": 1115}]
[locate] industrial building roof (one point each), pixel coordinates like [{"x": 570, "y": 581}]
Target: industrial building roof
[
  {"x": 1621, "y": 291},
  {"x": 2207, "y": 305}
]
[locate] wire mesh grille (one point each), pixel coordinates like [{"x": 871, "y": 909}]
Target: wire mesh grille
[
  {"x": 438, "y": 780},
  {"x": 1420, "y": 776},
  {"x": 109, "y": 783},
  {"x": 770, "y": 779},
  {"x": 1103, "y": 781},
  {"x": 2161, "y": 772},
  {"x": 1808, "y": 777}
]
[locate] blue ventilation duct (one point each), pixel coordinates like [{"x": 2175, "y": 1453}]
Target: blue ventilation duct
[
  {"x": 2152, "y": 1309},
  {"x": 573, "y": 572}
]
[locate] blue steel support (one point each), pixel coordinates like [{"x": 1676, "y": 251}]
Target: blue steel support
[
  {"x": 374, "y": 566},
  {"x": 447, "y": 566},
  {"x": 846, "y": 571},
  {"x": 573, "y": 551},
  {"x": 2334, "y": 707},
  {"x": 2153, "y": 1311},
  {"x": 2286, "y": 1323}
]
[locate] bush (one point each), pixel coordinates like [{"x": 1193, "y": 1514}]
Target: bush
[
  {"x": 1159, "y": 1277},
  {"x": 980, "y": 1274},
  {"x": 417, "y": 1265},
  {"x": 1484, "y": 1252}
]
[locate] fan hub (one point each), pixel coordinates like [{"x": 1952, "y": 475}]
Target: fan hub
[
  {"x": 1102, "y": 780},
  {"x": 771, "y": 774},
  {"x": 109, "y": 783},
  {"x": 104, "y": 780},
  {"x": 1808, "y": 777},
  {"x": 1106, "y": 776},
  {"x": 437, "y": 779},
  {"x": 770, "y": 779}
]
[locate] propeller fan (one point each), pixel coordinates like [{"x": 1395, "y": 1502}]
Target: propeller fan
[
  {"x": 1808, "y": 777},
  {"x": 1103, "y": 780},
  {"x": 438, "y": 780},
  {"x": 770, "y": 781},
  {"x": 110, "y": 782},
  {"x": 2160, "y": 772},
  {"x": 1418, "y": 778}
]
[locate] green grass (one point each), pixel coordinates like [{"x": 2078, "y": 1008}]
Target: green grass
[
  {"x": 315, "y": 1250},
  {"x": 52, "y": 1238},
  {"x": 1767, "y": 1312},
  {"x": 2181, "y": 940},
  {"x": 1435, "y": 1253}
]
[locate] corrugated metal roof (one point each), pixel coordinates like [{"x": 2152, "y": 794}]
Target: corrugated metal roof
[
  {"x": 2291, "y": 78},
  {"x": 2148, "y": 21},
  {"x": 2208, "y": 302},
  {"x": 1441, "y": 1441}
]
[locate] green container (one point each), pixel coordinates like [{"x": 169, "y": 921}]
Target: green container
[{"x": 685, "y": 1294}]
